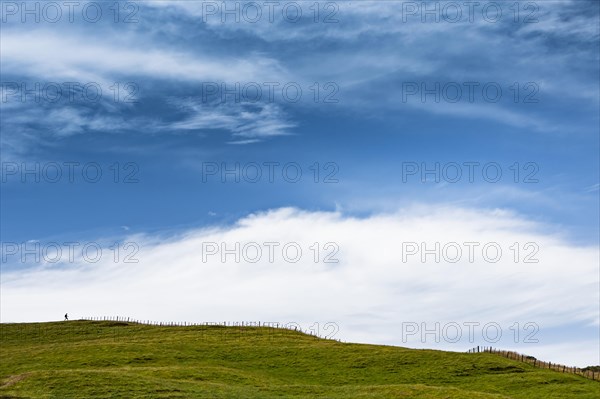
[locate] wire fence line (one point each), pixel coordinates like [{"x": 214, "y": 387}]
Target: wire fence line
[
  {"x": 587, "y": 373},
  {"x": 291, "y": 326}
]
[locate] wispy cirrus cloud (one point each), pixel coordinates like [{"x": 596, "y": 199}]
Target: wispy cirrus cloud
[
  {"x": 246, "y": 122},
  {"x": 166, "y": 62},
  {"x": 31, "y": 125},
  {"x": 47, "y": 55}
]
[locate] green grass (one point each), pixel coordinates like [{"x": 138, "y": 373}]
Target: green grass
[{"x": 87, "y": 359}]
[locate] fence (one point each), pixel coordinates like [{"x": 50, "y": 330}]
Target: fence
[
  {"x": 292, "y": 326},
  {"x": 591, "y": 374}
]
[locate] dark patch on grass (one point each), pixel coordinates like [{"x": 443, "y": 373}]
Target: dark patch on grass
[
  {"x": 506, "y": 369},
  {"x": 141, "y": 359},
  {"x": 117, "y": 324}
]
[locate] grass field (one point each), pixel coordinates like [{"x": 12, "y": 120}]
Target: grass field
[{"x": 94, "y": 359}]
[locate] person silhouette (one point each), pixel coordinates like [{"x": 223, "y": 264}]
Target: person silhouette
[{"x": 66, "y": 316}]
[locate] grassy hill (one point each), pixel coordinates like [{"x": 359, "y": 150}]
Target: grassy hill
[{"x": 93, "y": 359}]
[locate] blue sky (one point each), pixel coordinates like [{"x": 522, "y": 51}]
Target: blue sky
[{"x": 171, "y": 123}]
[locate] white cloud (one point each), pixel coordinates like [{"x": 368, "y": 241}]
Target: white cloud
[
  {"x": 247, "y": 121},
  {"x": 87, "y": 58},
  {"x": 29, "y": 125},
  {"x": 407, "y": 50},
  {"x": 369, "y": 293}
]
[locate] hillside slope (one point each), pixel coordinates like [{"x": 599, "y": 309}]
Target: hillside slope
[{"x": 88, "y": 359}]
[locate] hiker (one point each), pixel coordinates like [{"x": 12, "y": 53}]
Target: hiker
[{"x": 66, "y": 317}]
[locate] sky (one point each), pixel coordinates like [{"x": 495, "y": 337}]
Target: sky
[{"x": 420, "y": 174}]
